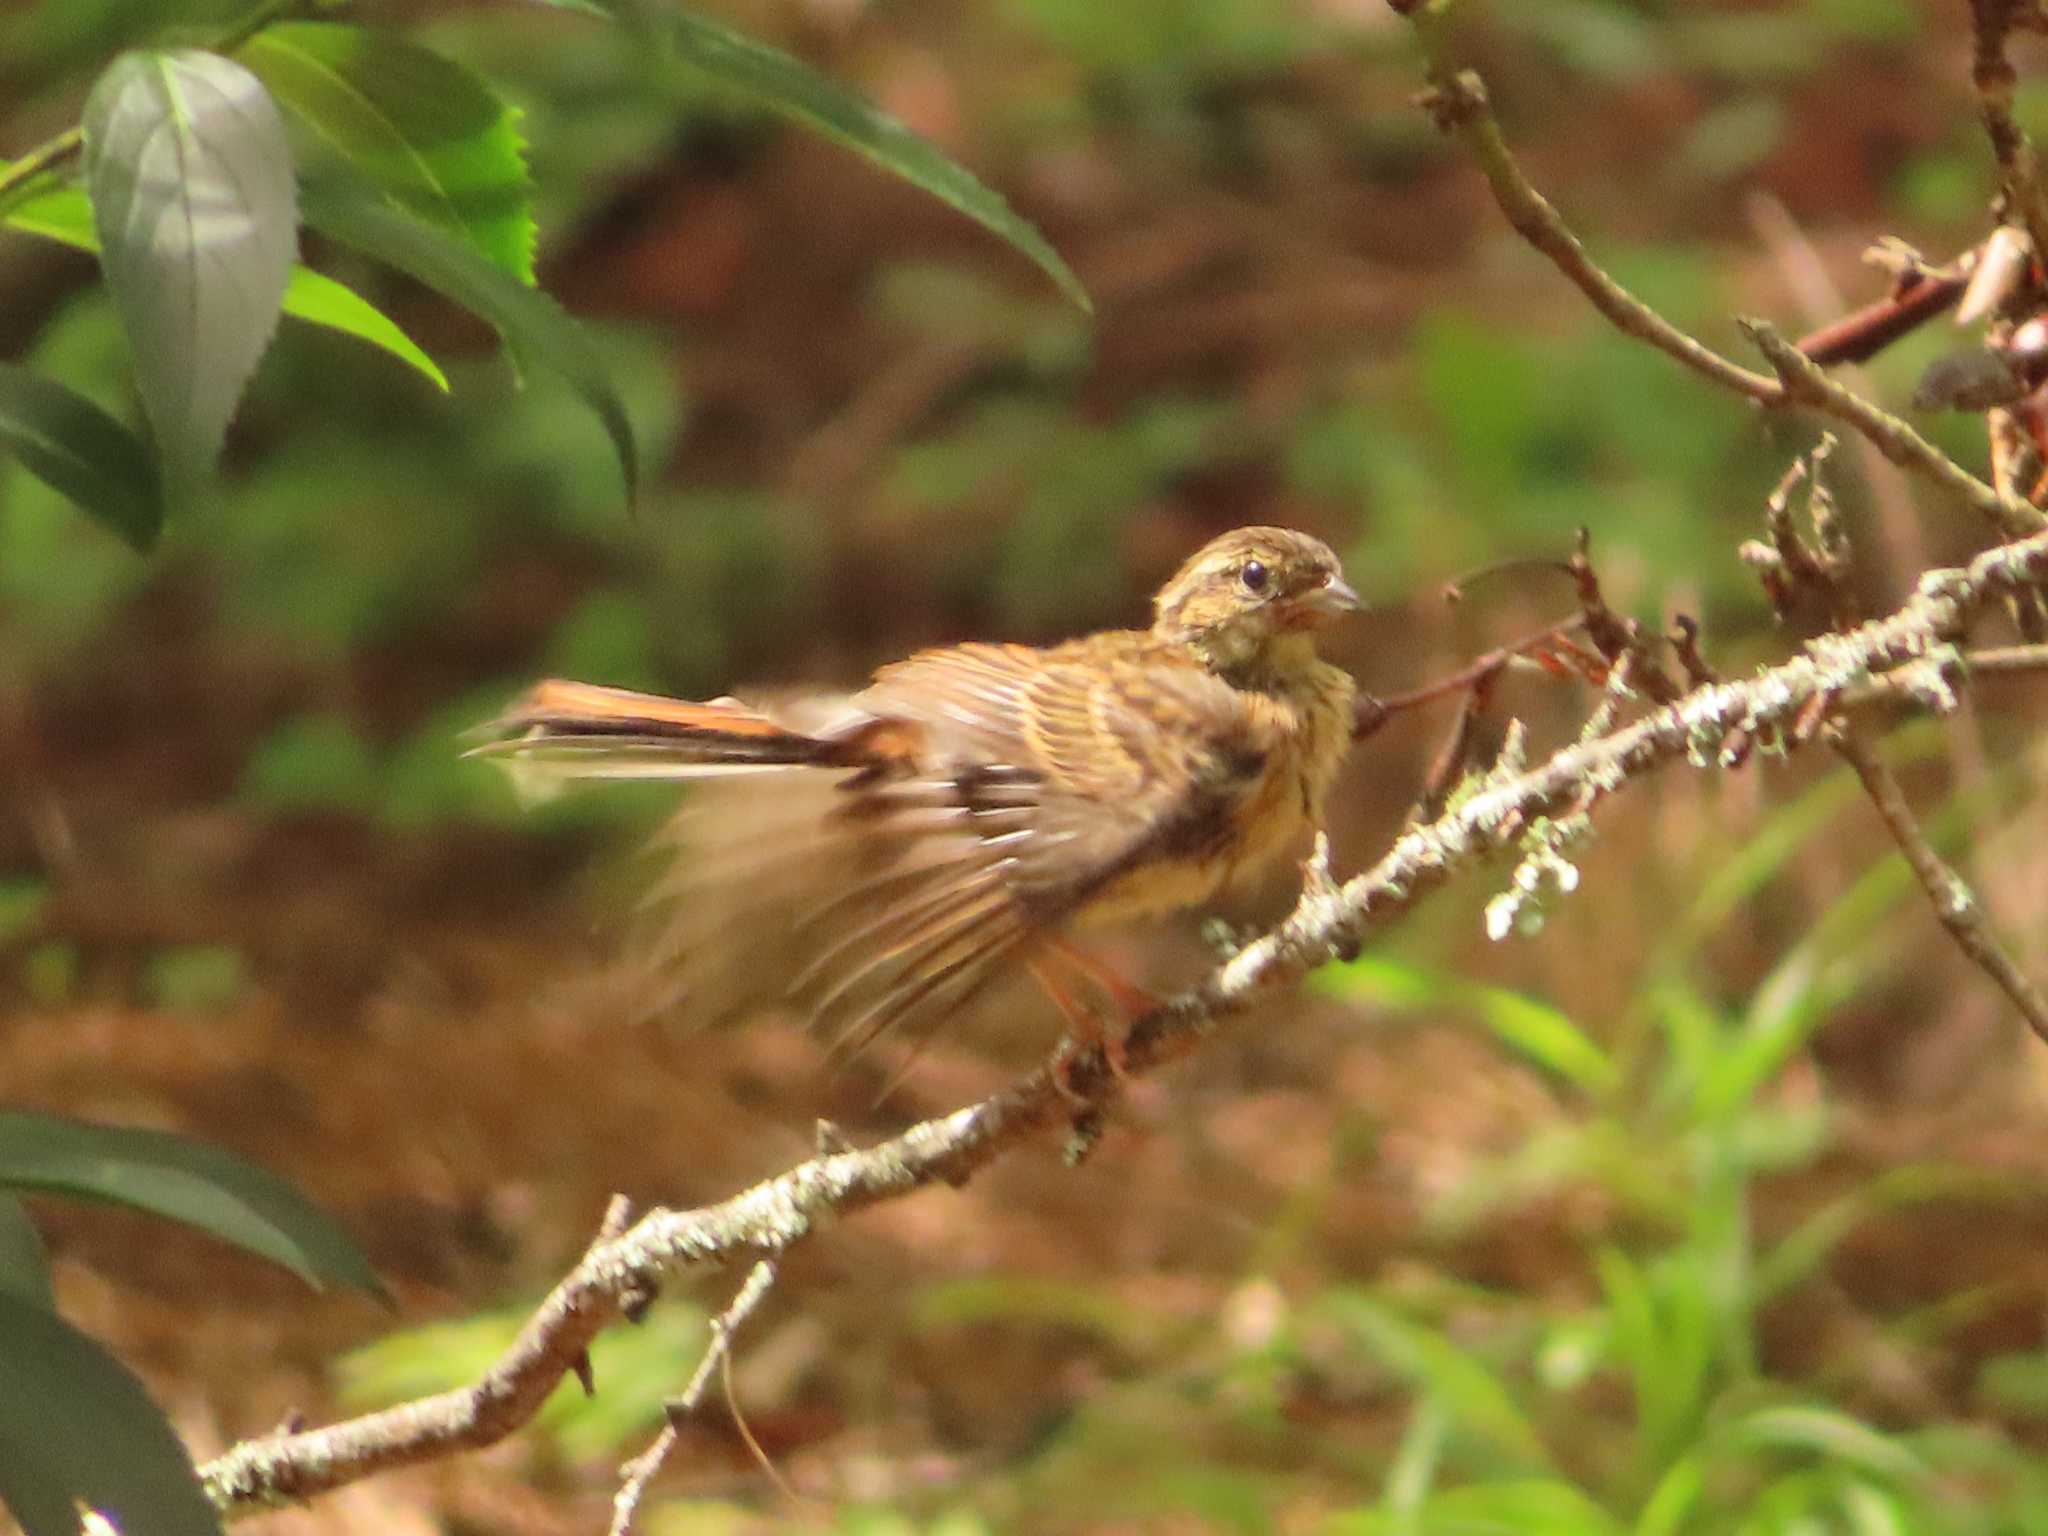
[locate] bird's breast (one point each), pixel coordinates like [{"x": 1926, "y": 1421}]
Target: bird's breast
[{"x": 1269, "y": 814}]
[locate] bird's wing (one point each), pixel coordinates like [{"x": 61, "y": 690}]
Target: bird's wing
[
  {"x": 1111, "y": 752},
  {"x": 967, "y": 802},
  {"x": 1027, "y": 782}
]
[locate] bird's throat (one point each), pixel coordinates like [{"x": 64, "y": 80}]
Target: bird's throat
[{"x": 1267, "y": 662}]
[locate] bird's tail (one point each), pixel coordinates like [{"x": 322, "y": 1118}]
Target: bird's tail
[{"x": 564, "y": 730}]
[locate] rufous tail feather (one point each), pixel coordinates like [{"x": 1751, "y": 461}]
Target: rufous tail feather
[{"x": 562, "y": 730}]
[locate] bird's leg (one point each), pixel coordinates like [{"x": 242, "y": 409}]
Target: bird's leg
[
  {"x": 1083, "y": 1028},
  {"x": 1132, "y": 1001},
  {"x": 1084, "y": 1024}
]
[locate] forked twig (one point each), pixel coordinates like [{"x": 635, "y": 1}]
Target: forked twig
[
  {"x": 637, "y": 1474},
  {"x": 1808, "y": 383}
]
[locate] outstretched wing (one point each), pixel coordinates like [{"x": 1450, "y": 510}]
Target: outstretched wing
[
  {"x": 970, "y": 801},
  {"x": 1126, "y": 766}
]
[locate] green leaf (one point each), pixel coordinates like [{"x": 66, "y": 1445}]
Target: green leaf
[
  {"x": 1523, "y": 1023},
  {"x": 24, "y": 1265},
  {"x": 78, "y": 1432},
  {"x": 80, "y": 451},
  {"x": 22, "y": 901},
  {"x": 186, "y": 1181},
  {"x": 193, "y": 197},
  {"x": 533, "y": 325},
  {"x": 1809, "y": 1245},
  {"x": 1521, "y": 1506},
  {"x": 1672, "y": 1501},
  {"x": 319, "y": 300},
  {"x": 792, "y": 89},
  {"x": 64, "y": 215},
  {"x": 425, "y": 131},
  {"x": 1830, "y": 1433},
  {"x": 1476, "y": 1398}
]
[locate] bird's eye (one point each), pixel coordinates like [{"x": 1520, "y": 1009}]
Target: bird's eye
[{"x": 1254, "y": 576}]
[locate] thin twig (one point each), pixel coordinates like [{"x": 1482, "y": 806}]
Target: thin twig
[
  {"x": 2007, "y": 658},
  {"x": 1863, "y": 333},
  {"x": 775, "y": 1215},
  {"x": 1807, "y": 383},
  {"x": 1952, "y": 900},
  {"x": 636, "y": 1474},
  {"x": 1374, "y": 710},
  {"x": 1458, "y": 104},
  {"x": 1911, "y": 684},
  {"x": 45, "y": 157},
  {"x": 1619, "y": 640},
  {"x": 2019, "y": 170}
]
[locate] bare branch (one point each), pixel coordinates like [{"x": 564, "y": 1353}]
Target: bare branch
[
  {"x": 1458, "y": 104},
  {"x": 1861, "y": 334},
  {"x": 1953, "y": 901},
  {"x": 1807, "y": 383},
  {"x": 2019, "y": 170},
  {"x": 774, "y": 1215},
  {"x": 640, "y": 1471}
]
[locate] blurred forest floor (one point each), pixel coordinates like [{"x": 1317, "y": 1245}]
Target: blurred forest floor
[{"x": 253, "y": 893}]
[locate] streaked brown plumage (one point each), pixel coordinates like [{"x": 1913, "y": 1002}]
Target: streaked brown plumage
[{"x": 955, "y": 818}]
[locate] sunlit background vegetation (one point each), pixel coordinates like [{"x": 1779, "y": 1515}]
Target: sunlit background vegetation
[{"x": 1719, "y": 1205}]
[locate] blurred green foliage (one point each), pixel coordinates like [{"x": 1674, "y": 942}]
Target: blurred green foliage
[{"x": 404, "y": 561}]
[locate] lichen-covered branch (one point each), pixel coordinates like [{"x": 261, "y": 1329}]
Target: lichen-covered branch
[
  {"x": 620, "y": 1272},
  {"x": 1953, "y": 901}
]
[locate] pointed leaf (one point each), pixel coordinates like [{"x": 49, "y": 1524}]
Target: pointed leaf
[
  {"x": 1476, "y": 1397},
  {"x": 318, "y": 299},
  {"x": 186, "y": 1181},
  {"x": 193, "y": 198},
  {"x": 24, "y": 1264},
  {"x": 421, "y": 128},
  {"x": 80, "y": 451},
  {"x": 1829, "y": 1433},
  {"x": 64, "y": 215},
  {"x": 534, "y": 326},
  {"x": 78, "y": 1432},
  {"x": 794, "y": 90}
]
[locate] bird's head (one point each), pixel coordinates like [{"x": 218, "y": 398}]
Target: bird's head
[{"x": 1252, "y": 596}]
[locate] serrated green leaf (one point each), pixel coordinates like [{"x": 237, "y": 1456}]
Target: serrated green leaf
[
  {"x": 78, "y": 1432},
  {"x": 186, "y": 1181},
  {"x": 80, "y": 451},
  {"x": 24, "y": 1264},
  {"x": 194, "y": 201},
  {"x": 64, "y": 215},
  {"x": 319, "y": 300},
  {"x": 792, "y": 89},
  {"x": 536, "y": 328},
  {"x": 421, "y": 128}
]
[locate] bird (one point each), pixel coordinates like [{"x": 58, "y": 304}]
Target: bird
[{"x": 880, "y": 858}]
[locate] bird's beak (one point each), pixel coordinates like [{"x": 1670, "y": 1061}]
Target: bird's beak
[{"x": 1332, "y": 600}]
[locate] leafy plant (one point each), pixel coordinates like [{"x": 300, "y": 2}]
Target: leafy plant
[
  {"x": 200, "y": 163},
  {"x": 77, "y": 1431}
]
